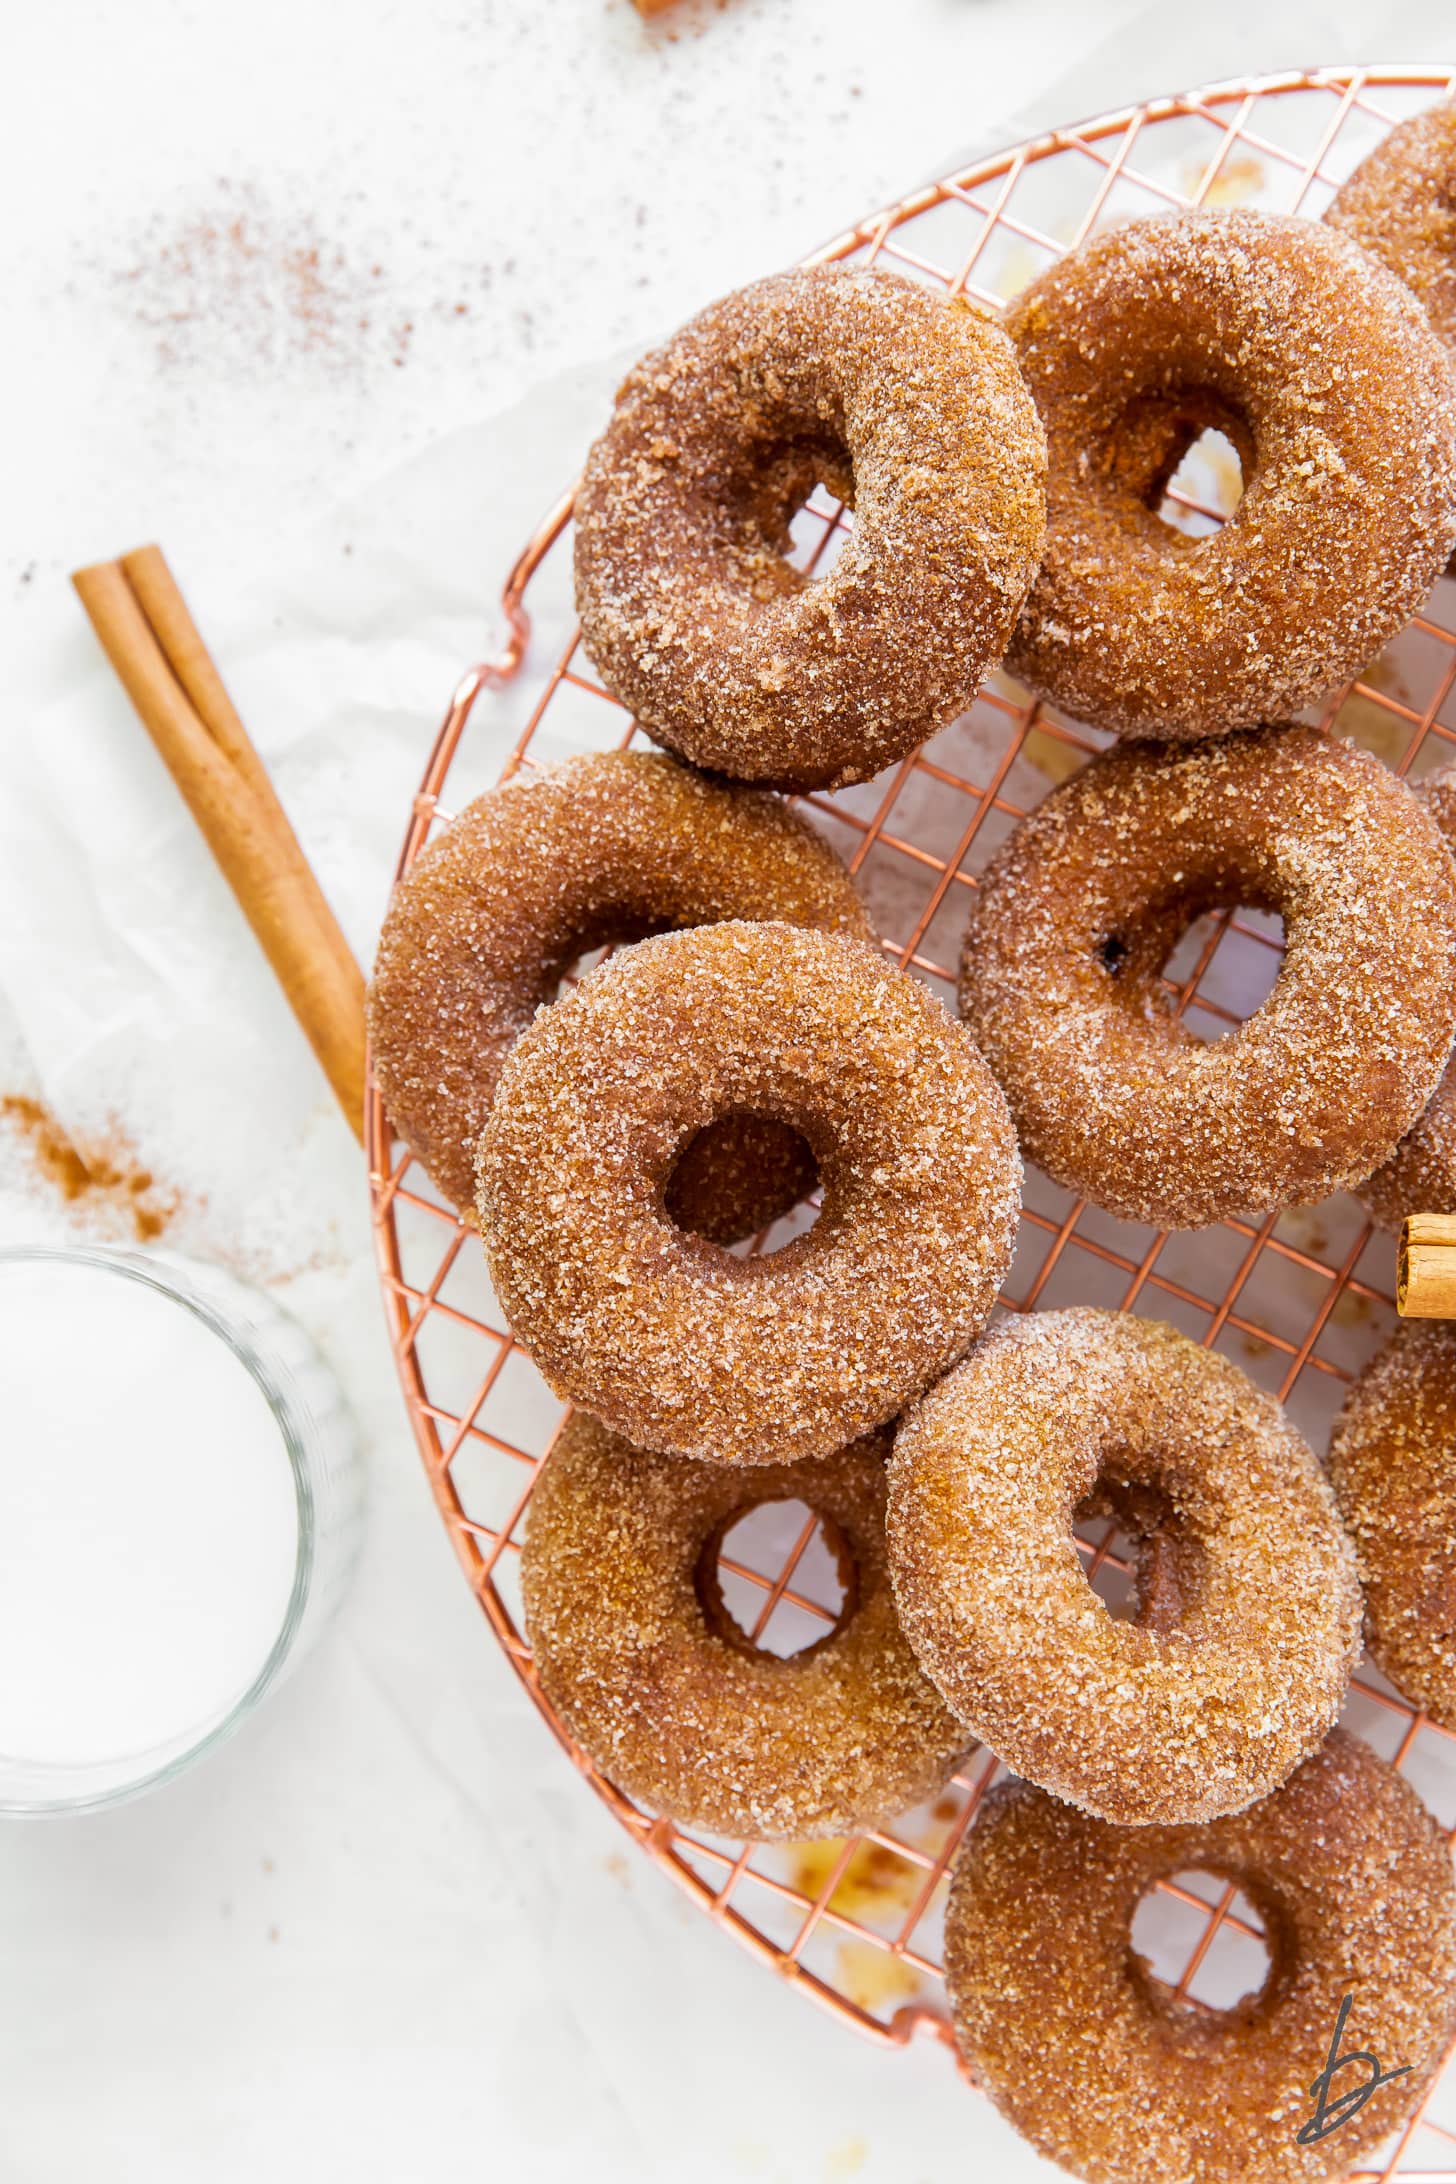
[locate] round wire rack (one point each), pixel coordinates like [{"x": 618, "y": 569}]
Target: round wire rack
[{"x": 1299, "y": 1299}]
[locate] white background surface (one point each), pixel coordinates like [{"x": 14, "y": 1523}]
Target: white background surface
[{"x": 385, "y": 1935}]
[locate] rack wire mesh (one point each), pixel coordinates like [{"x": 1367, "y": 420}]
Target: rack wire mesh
[{"x": 1299, "y": 1299}]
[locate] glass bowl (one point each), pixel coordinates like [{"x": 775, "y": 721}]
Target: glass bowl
[{"x": 152, "y": 1563}]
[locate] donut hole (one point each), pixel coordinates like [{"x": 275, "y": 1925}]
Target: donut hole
[
  {"x": 1230, "y": 954},
  {"x": 591, "y": 944},
  {"x": 777, "y": 1578},
  {"x": 744, "y": 1181},
  {"x": 1137, "y": 1556},
  {"x": 1186, "y": 454},
  {"x": 1193, "y": 1941},
  {"x": 817, "y": 515},
  {"x": 1221, "y": 961},
  {"x": 1205, "y": 488},
  {"x": 819, "y": 531}
]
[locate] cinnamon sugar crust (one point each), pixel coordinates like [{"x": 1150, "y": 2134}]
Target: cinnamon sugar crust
[
  {"x": 1074, "y": 919},
  {"x": 602, "y": 848},
  {"x": 1420, "y": 1175},
  {"x": 1400, "y": 205},
  {"x": 635, "y": 1651},
  {"x": 1096, "y": 2063},
  {"x": 908, "y": 404},
  {"x": 1248, "y": 1621},
  {"x": 1393, "y": 1465},
  {"x": 672, "y": 1342},
  {"x": 1325, "y": 373}
]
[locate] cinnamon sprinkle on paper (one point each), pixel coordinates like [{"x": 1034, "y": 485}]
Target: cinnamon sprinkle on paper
[
  {"x": 240, "y": 279},
  {"x": 105, "y": 1179},
  {"x": 236, "y": 273}
]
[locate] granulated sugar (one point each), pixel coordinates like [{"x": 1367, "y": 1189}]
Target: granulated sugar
[{"x": 148, "y": 1519}]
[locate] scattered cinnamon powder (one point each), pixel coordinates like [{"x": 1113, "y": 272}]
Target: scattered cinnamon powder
[
  {"x": 241, "y": 280},
  {"x": 105, "y": 1179}
]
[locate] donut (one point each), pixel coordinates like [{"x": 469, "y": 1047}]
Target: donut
[
  {"x": 909, "y": 406},
  {"x": 1324, "y": 372},
  {"x": 1400, "y": 205},
  {"x": 1075, "y": 917},
  {"x": 1248, "y": 1612},
  {"x": 1393, "y": 1468},
  {"x": 636, "y": 1651},
  {"x": 668, "y": 1339},
  {"x": 1105, "y": 2070},
  {"x": 599, "y": 849},
  {"x": 1420, "y": 1175}
]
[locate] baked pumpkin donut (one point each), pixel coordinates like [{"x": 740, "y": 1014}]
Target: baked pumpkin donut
[
  {"x": 908, "y": 404},
  {"x": 669, "y": 1340},
  {"x": 1393, "y": 1467},
  {"x": 1420, "y": 1175},
  {"x": 1106, "y": 2071},
  {"x": 1400, "y": 205},
  {"x": 1324, "y": 372},
  {"x": 599, "y": 849},
  {"x": 1248, "y": 1614},
  {"x": 637, "y": 1652},
  {"x": 1076, "y": 916}
]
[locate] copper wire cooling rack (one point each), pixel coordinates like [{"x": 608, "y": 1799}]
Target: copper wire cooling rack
[{"x": 1299, "y": 1300}]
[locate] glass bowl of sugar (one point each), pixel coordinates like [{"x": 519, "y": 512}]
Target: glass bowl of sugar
[{"x": 179, "y": 1511}]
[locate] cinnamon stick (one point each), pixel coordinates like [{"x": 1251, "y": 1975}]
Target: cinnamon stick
[
  {"x": 143, "y": 623},
  {"x": 1425, "y": 1275}
]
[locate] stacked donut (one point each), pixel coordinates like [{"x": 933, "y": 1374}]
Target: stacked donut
[{"x": 747, "y": 1040}]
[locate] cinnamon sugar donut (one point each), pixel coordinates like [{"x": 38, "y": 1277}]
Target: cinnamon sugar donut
[
  {"x": 636, "y": 1651},
  {"x": 1076, "y": 916},
  {"x": 1324, "y": 372},
  {"x": 672, "y": 1342},
  {"x": 1400, "y": 205},
  {"x": 600, "y": 849},
  {"x": 1393, "y": 1466},
  {"x": 1420, "y": 1175},
  {"x": 1103, "y": 2070},
  {"x": 1248, "y": 1617},
  {"x": 908, "y": 404}
]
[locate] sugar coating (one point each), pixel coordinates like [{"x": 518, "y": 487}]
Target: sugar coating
[
  {"x": 1076, "y": 916},
  {"x": 602, "y": 848},
  {"x": 1249, "y": 1615},
  {"x": 671, "y": 1341},
  {"x": 1092, "y": 2059},
  {"x": 1400, "y": 205},
  {"x": 1420, "y": 1175},
  {"x": 1324, "y": 371},
  {"x": 1393, "y": 1466},
  {"x": 634, "y": 1649},
  {"x": 909, "y": 405}
]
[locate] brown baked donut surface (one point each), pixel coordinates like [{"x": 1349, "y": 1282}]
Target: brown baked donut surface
[
  {"x": 1420, "y": 1175},
  {"x": 1103, "y": 2071},
  {"x": 1248, "y": 1612},
  {"x": 1393, "y": 1466},
  {"x": 602, "y": 848},
  {"x": 1400, "y": 205},
  {"x": 634, "y": 1647},
  {"x": 1075, "y": 917},
  {"x": 672, "y": 1342},
  {"x": 907, "y": 403},
  {"x": 1325, "y": 374}
]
